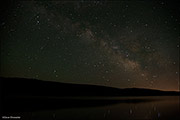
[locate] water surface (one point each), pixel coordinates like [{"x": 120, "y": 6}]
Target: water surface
[{"x": 124, "y": 108}]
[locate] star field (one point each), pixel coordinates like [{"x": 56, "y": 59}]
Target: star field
[{"x": 119, "y": 44}]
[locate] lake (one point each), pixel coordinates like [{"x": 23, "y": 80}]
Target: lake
[{"x": 122, "y": 108}]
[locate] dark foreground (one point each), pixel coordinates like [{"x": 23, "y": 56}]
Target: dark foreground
[
  {"x": 32, "y": 87},
  {"x": 119, "y": 108},
  {"x": 29, "y": 99}
]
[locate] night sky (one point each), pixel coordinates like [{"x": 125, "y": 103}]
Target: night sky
[{"x": 118, "y": 44}]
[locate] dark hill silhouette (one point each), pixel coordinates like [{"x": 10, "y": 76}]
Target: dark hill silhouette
[
  {"x": 33, "y": 87},
  {"x": 19, "y": 94}
]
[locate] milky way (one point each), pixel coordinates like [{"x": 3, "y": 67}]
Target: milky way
[{"x": 118, "y": 44}]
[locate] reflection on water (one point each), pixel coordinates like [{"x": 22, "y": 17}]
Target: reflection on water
[{"x": 163, "y": 108}]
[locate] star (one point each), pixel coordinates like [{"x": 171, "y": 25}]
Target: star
[{"x": 118, "y": 44}]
